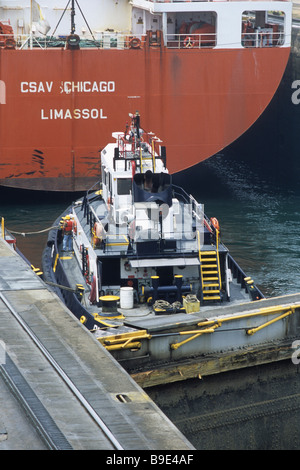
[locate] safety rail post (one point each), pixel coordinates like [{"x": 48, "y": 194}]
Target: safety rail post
[
  {"x": 153, "y": 155},
  {"x": 2, "y": 228},
  {"x": 199, "y": 256},
  {"x": 87, "y": 213},
  {"x": 141, "y": 159},
  {"x": 92, "y": 221},
  {"x": 218, "y": 257}
]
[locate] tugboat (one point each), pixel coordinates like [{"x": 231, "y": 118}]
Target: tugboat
[{"x": 146, "y": 261}]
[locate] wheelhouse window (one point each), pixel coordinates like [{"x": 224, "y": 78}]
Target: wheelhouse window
[
  {"x": 263, "y": 28},
  {"x": 124, "y": 186}
]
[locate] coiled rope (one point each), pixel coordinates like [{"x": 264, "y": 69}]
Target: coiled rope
[
  {"x": 164, "y": 305},
  {"x": 191, "y": 298},
  {"x": 175, "y": 306}
]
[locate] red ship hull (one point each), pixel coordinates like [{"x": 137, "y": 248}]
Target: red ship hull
[{"x": 59, "y": 107}]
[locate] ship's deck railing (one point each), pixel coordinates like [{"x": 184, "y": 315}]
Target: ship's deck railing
[
  {"x": 197, "y": 208},
  {"x": 190, "y": 41},
  {"x": 256, "y": 39},
  {"x": 103, "y": 40},
  {"x": 130, "y": 147},
  {"x": 125, "y": 41},
  {"x": 185, "y": 237},
  {"x": 188, "y": 1},
  {"x": 263, "y": 39}
]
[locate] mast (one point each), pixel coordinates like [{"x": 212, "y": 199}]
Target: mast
[
  {"x": 73, "y": 17},
  {"x": 73, "y": 40}
]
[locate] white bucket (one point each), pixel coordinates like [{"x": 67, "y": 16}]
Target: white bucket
[{"x": 126, "y": 297}]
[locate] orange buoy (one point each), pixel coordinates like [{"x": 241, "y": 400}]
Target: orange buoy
[
  {"x": 215, "y": 223},
  {"x": 135, "y": 43}
]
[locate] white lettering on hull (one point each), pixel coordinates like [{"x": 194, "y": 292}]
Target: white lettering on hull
[
  {"x": 36, "y": 87},
  {"x": 87, "y": 87},
  {"x": 69, "y": 87},
  {"x": 53, "y": 114}
]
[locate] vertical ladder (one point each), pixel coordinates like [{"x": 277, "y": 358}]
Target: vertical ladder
[
  {"x": 210, "y": 272},
  {"x": 210, "y": 275}
]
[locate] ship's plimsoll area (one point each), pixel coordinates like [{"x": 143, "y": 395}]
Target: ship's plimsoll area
[{"x": 62, "y": 389}]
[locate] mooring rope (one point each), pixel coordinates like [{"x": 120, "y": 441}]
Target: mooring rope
[{"x": 32, "y": 233}]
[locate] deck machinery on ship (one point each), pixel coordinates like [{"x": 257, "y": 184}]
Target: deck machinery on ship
[{"x": 146, "y": 261}]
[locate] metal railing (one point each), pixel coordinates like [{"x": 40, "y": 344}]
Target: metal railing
[
  {"x": 191, "y": 41},
  {"x": 263, "y": 39},
  {"x": 209, "y": 40},
  {"x": 188, "y": 1},
  {"x": 120, "y": 41},
  {"x": 102, "y": 40}
]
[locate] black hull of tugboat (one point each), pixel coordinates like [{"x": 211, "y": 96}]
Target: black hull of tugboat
[
  {"x": 58, "y": 280},
  {"x": 68, "y": 298}
]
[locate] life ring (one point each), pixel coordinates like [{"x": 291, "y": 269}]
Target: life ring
[
  {"x": 10, "y": 43},
  {"x": 189, "y": 42},
  {"x": 215, "y": 223},
  {"x": 75, "y": 227},
  {"x": 135, "y": 43}
]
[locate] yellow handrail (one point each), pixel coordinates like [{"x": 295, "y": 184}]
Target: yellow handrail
[
  {"x": 124, "y": 340},
  {"x": 218, "y": 257},
  {"x": 199, "y": 333},
  {"x": 133, "y": 339},
  {"x": 2, "y": 228},
  {"x": 211, "y": 325},
  {"x": 262, "y": 311},
  {"x": 199, "y": 256},
  {"x": 251, "y": 331}
]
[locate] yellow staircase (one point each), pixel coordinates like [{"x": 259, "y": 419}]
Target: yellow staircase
[{"x": 210, "y": 275}]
